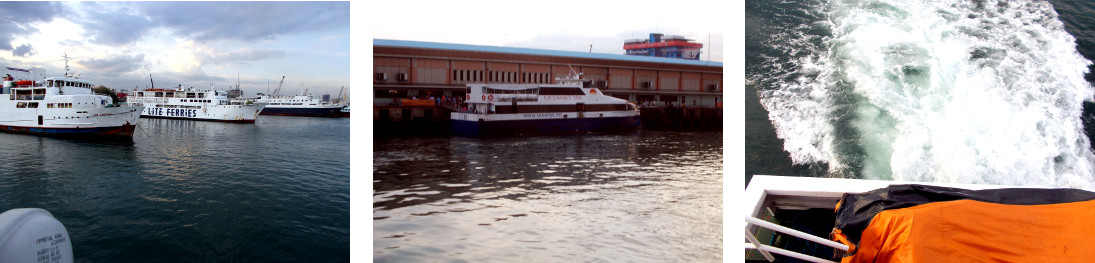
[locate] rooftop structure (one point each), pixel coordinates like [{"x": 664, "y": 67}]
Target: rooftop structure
[{"x": 659, "y": 45}]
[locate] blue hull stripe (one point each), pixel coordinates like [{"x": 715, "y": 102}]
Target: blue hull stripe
[
  {"x": 301, "y": 111},
  {"x": 550, "y": 126}
]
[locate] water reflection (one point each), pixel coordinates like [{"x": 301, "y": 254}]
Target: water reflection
[{"x": 654, "y": 195}]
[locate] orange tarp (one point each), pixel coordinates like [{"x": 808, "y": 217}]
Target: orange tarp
[{"x": 974, "y": 231}]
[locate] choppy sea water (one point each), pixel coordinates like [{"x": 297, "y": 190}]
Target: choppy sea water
[
  {"x": 190, "y": 191},
  {"x": 649, "y": 196},
  {"x": 966, "y": 92}
]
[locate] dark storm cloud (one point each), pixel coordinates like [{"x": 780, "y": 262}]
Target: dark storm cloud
[
  {"x": 23, "y": 51},
  {"x": 249, "y": 21},
  {"x": 16, "y": 17},
  {"x": 113, "y": 66}
]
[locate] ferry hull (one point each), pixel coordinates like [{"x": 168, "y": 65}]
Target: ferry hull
[
  {"x": 217, "y": 113},
  {"x": 545, "y": 126},
  {"x": 315, "y": 112},
  {"x": 124, "y": 131},
  {"x": 199, "y": 119}
]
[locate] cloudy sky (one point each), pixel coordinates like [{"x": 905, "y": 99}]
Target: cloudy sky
[
  {"x": 118, "y": 44},
  {"x": 568, "y": 25}
]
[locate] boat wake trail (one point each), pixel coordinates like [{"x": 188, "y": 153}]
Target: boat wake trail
[{"x": 965, "y": 92}]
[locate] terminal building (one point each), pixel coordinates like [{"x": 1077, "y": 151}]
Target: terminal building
[{"x": 406, "y": 69}]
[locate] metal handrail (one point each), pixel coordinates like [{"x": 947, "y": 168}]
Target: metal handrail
[
  {"x": 764, "y": 249},
  {"x": 767, "y": 248}
]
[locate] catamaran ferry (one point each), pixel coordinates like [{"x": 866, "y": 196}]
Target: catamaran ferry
[
  {"x": 205, "y": 105},
  {"x": 62, "y": 106},
  {"x": 572, "y": 106}
]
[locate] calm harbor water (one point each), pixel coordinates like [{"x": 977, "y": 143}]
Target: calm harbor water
[
  {"x": 186, "y": 191},
  {"x": 645, "y": 196}
]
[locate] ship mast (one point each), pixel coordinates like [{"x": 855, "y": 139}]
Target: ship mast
[{"x": 66, "y": 64}]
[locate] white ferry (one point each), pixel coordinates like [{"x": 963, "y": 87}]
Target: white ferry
[
  {"x": 191, "y": 104},
  {"x": 63, "y": 106},
  {"x": 299, "y": 105},
  {"x": 572, "y": 106}
]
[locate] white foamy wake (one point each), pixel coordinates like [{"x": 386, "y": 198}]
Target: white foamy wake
[{"x": 986, "y": 92}]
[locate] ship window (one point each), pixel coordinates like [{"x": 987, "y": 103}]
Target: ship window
[
  {"x": 201, "y": 95},
  {"x": 49, "y": 105},
  {"x": 159, "y": 94},
  {"x": 22, "y": 94},
  {"x": 560, "y": 91},
  {"x": 190, "y": 95},
  {"x": 32, "y": 105},
  {"x": 21, "y": 105},
  {"x": 49, "y": 83}
]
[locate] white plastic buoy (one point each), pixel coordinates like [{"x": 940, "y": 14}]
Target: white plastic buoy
[{"x": 33, "y": 235}]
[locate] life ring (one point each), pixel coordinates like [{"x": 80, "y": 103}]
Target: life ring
[
  {"x": 484, "y": 97},
  {"x": 491, "y": 97},
  {"x": 467, "y": 97}
]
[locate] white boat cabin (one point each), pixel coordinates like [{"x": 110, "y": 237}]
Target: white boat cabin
[{"x": 29, "y": 94}]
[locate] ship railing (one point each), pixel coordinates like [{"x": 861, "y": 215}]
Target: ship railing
[{"x": 766, "y": 250}]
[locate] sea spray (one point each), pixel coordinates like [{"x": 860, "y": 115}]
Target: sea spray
[{"x": 968, "y": 92}]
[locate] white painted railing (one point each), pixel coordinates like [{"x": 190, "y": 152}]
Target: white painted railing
[{"x": 765, "y": 249}]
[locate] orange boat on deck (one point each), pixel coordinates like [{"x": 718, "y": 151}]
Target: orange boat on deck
[{"x": 887, "y": 221}]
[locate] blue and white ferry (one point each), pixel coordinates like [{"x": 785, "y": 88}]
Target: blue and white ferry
[{"x": 570, "y": 107}]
